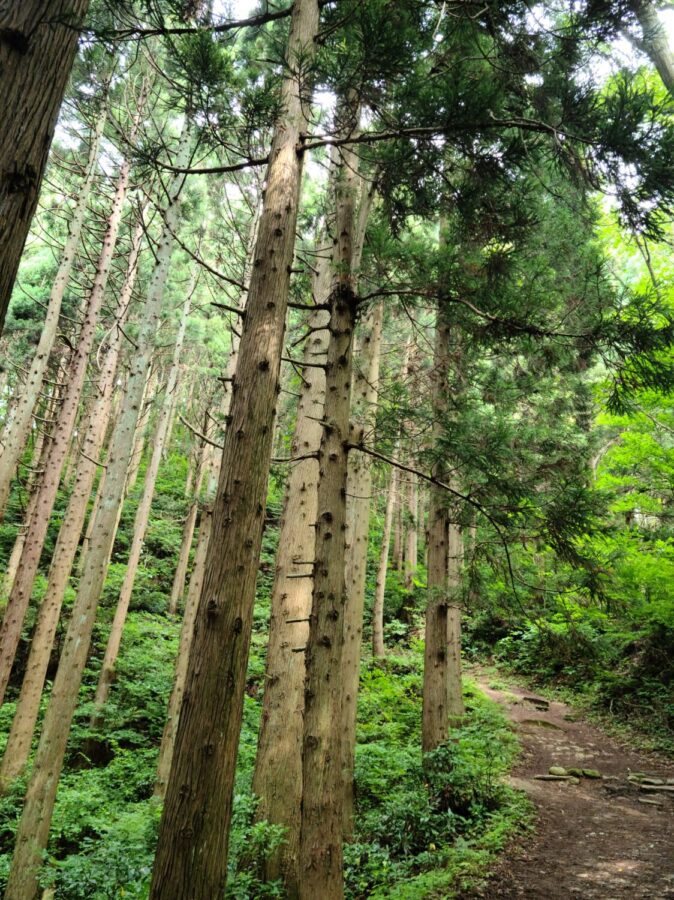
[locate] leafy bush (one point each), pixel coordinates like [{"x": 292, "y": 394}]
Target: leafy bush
[
  {"x": 557, "y": 648},
  {"x": 252, "y": 843},
  {"x": 419, "y": 816},
  {"x": 115, "y": 862}
]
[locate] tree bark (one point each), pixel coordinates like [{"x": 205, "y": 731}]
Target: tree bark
[
  {"x": 186, "y": 635},
  {"x": 277, "y": 779},
  {"x": 436, "y": 712},
  {"x": 411, "y": 531},
  {"x": 38, "y": 42},
  {"x": 398, "y": 545},
  {"x": 365, "y": 392},
  {"x": 455, "y": 707},
  {"x": 141, "y": 432},
  {"x": 178, "y": 586},
  {"x": 140, "y": 524},
  {"x": 25, "y": 717},
  {"x": 17, "y": 427},
  {"x": 322, "y": 815},
  {"x": 191, "y": 860},
  {"x": 378, "y": 647},
  {"x": 33, "y": 830},
  {"x": 10, "y": 632},
  {"x": 37, "y": 470},
  {"x": 5, "y": 397},
  {"x": 655, "y": 41}
]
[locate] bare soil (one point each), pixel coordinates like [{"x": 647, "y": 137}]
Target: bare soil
[{"x": 602, "y": 838}]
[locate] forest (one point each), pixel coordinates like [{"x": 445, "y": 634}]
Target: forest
[{"x": 336, "y": 449}]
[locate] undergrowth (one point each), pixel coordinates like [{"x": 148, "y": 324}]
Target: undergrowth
[
  {"x": 421, "y": 830},
  {"x": 427, "y": 829}
]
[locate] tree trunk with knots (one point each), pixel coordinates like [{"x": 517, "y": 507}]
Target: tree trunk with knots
[{"x": 38, "y": 42}]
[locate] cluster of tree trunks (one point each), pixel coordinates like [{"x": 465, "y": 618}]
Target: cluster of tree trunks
[
  {"x": 305, "y": 764},
  {"x": 304, "y": 774}
]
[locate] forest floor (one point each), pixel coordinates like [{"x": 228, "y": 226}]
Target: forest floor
[{"x": 607, "y": 837}]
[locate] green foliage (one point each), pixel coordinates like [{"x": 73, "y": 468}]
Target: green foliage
[
  {"x": 615, "y": 665},
  {"x": 114, "y": 855},
  {"x": 557, "y": 648},
  {"x": 251, "y": 844},
  {"x": 135, "y": 713},
  {"x": 427, "y": 816}
]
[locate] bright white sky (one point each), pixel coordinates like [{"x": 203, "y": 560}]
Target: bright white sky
[{"x": 240, "y": 9}]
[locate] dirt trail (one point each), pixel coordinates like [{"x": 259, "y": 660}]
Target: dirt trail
[{"x": 602, "y": 838}]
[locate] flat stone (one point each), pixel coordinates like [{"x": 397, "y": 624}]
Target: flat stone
[
  {"x": 537, "y": 701},
  {"x": 555, "y": 778},
  {"x": 541, "y": 723}
]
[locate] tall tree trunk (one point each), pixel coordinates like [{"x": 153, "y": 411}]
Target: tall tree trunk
[
  {"x": 33, "y": 831},
  {"x": 32, "y": 487},
  {"x": 277, "y": 779},
  {"x": 392, "y": 506},
  {"x": 134, "y": 462},
  {"x": 365, "y": 392},
  {"x": 398, "y": 544},
  {"x": 38, "y": 42},
  {"x": 322, "y": 814},
  {"x": 141, "y": 430},
  {"x": 321, "y": 828},
  {"x": 455, "y": 707},
  {"x": 25, "y": 717},
  {"x": 186, "y": 636},
  {"x": 10, "y": 632},
  {"x": 435, "y": 713},
  {"x": 378, "y": 648},
  {"x": 5, "y": 394},
  {"x": 178, "y": 586},
  {"x": 411, "y": 531},
  {"x": 175, "y": 397},
  {"x": 191, "y": 858},
  {"x": 435, "y": 722},
  {"x": 140, "y": 526},
  {"x": 191, "y": 469},
  {"x": 322, "y": 800},
  {"x": 17, "y": 427},
  {"x": 167, "y": 747}
]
